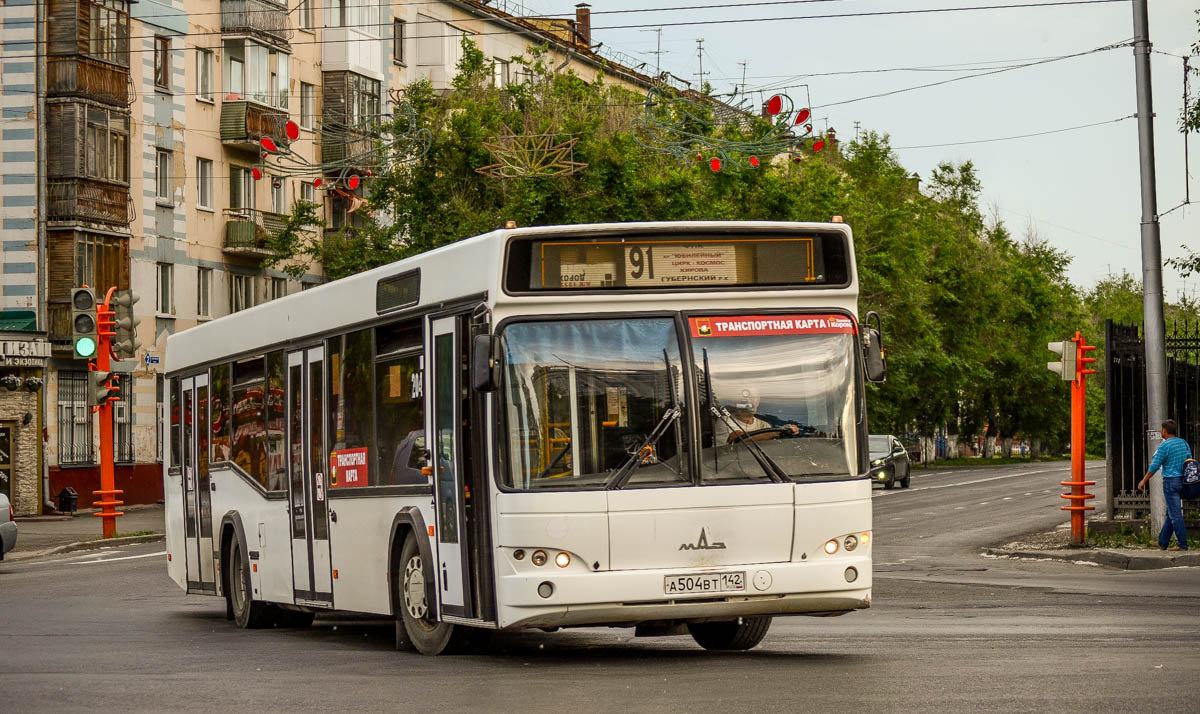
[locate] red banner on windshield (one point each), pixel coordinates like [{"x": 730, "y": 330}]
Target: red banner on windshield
[{"x": 751, "y": 325}]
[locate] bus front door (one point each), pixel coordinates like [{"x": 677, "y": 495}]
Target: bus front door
[
  {"x": 445, "y": 452},
  {"x": 311, "y": 578},
  {"x": 197, "y": 500}
]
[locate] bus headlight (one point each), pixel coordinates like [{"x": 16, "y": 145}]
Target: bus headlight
[
  {"x": 562, "y": 560},
  {"x": 831, "y": 546},
  {"x": 538, "y": 558}
]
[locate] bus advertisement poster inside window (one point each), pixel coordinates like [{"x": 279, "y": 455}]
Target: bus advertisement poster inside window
[{"x": 348, "y": 468}]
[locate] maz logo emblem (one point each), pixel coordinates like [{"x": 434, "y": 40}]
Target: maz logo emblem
[{"x": 702, "y": 543}]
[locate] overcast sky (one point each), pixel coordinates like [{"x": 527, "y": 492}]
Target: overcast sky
[{"x": 1079, "y": 189}]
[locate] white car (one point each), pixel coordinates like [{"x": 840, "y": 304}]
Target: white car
[{"x": 8, "y": 526}]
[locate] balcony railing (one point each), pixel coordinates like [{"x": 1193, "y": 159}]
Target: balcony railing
[
  {"x": 256, "y": 17},
  {"x": 341, "y": 143},
  {"x": 83, "y": 199},
  {"x": 245, "y": 123},
  {"x": 247, "y": 230},
  {"x": 78, "y": 76}
]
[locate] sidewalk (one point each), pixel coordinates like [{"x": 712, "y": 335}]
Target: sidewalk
[
  {"x": 1055, "y": 545},
  {"x": 44, "y": 535}
]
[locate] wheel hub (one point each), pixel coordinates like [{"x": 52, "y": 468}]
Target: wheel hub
[{"x": 414, "y": 588}]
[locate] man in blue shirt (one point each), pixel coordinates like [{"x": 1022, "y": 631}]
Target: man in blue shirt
[{"x": 1171, "y": 454}]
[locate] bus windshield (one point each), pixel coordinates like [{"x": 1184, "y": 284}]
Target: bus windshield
[
  {"x": 590, "y": 399},
  {"x": 776, "y": 395}
]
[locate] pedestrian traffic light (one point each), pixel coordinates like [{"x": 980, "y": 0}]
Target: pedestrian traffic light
[
  {"x": 1066, "y": 367},
  {"x": 83, "y": 323},
  {"x": 125, "y": 342},
  {"x": 99, "y": 389}
]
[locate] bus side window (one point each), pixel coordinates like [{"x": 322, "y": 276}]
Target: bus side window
[{"x": 176, "y": 423}]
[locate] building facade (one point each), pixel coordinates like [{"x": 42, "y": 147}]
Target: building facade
[{"x": 129, "y": 134}]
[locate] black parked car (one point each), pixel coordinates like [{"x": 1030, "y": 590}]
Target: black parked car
[{"x": 889, "y": 461}]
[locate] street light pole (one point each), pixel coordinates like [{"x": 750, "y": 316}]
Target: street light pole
[{"x": 1152, "y": 300}]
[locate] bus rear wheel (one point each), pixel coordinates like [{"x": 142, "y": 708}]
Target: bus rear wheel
[
  {"x": 416, "y": 627},
  {"x": 741, "y": 634}
]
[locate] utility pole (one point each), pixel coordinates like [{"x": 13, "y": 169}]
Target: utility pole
[
  {"x": 700, "y": 56},
  {"x": 742, "y": 86},
  {"x": 857, "y": 128},
  {"x": 657, "y": 52},
  {"x": 1152, "y": 287}
]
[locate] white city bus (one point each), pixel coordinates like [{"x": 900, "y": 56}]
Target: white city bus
[{"x": 649, "y": 425}]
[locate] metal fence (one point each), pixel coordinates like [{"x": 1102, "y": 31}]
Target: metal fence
[{"x": 1125, "y": 406}]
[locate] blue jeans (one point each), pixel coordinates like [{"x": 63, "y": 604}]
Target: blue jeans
[{"x": 1172, "y": 492}]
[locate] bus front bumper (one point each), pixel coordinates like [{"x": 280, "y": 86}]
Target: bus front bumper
[{"x": 580, "y": 597}]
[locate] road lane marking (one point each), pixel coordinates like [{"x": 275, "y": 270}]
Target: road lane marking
[
  {"x": 113, "y": 560},
  {"x": 880, "y": 494}
]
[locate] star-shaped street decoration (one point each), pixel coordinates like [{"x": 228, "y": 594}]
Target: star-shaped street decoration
[{"x": 530, "y": 154}]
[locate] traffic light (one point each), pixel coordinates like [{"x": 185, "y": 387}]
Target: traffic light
[
  {"x": 125, "y": 342},
  {"x": 1066, "y": 367},
  {"x": 84, "y": 339},
  {"x": 99, "y": 389}
]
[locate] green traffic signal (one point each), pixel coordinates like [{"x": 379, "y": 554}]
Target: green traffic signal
[{"x": 85, "y": 347}]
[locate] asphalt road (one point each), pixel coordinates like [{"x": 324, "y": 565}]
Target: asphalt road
[{"x": 949, "y": 631}]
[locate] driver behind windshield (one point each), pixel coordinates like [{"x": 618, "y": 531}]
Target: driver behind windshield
[{"x": 744, "y": 410}]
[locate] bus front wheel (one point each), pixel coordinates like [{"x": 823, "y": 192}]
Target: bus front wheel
[
  {"x": 247, "y": 613},
  {"x": 417, "y": 627},
  {"x": 740, "y": 634}
]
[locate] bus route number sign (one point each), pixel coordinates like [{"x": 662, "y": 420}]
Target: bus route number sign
[{"x": 651, "y": 264}]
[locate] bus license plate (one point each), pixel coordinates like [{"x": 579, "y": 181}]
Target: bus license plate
[{"x": 704, "y": 583}]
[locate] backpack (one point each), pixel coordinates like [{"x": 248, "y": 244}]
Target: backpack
[{"x": 1191, "y": 480}]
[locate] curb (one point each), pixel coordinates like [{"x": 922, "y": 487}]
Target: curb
[
  {"x": 1106, "y": 558},
  {"x": 85, "y": 545}
]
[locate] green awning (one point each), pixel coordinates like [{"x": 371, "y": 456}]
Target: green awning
[{"x": 18, "y": 321}]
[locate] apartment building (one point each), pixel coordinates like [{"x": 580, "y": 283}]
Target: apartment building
[{"x": 129, "y": 134}]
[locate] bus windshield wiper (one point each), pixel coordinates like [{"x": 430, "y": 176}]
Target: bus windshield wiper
[
  {"x": 772, "y": 469},
  {"x": 621, "y": 476}
]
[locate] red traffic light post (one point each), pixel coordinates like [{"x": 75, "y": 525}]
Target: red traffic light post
[
  {"x": 108, "y": 492},
  {"x": 1073, "y": 367}
]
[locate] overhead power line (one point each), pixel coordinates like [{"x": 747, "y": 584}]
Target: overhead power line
[
  {"x": 1018, "y": 136},
  {"x": 686, "y": 23}
]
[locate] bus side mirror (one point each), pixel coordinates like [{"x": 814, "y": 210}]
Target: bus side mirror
[
  {"x": 483, "y": 364},
  {"x": 874, "y": 355}
]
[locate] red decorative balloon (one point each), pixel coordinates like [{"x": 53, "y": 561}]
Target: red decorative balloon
[
  {"x": 263, "y": 154},
  {"x": 796, "y": 159},
  {"x": 353, "y": 182},
  {"x": 317, "y": 182},
  {"x": 368, "y": 173},
  {"x": 715, "y": 164},
  {"x": 818, "y": 144},
  {"x": 268, "y": 144},
  {"x": 754, "y": 161},
  {"x": 256, "y": 173},
  {"x": 802, "y": 116},
  {"x": 808, "y": 127},
  {"x": 774, "y": 105},
  {"x": 699, "y": 157},
  {"x": 293, "y": 130}
]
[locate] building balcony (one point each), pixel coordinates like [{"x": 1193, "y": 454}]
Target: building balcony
[
  {"x": 341, "y": 143},
  {"x": 247, "y": 230},
  {"x": 79, "y": 76},
  {"x": 90, "y": 201},
  {"x": 244, "y": 123},
  {"x": 257, "y": 18}
]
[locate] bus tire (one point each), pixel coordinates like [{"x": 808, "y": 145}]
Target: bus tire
[
  {"x": 247, "y": 613},
  {"x": 740, "y": 634},
  {"x": 416, "y": 626}
]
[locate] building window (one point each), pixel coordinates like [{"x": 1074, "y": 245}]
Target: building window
[
  {"x": 108, "y": 37},
  {"x": 280, "y": 78},
  {"x": 278, "y": 194},
  {"x": 106, "y": 145},
  {"x": 241, "y": 188},
  {"x": 101, "y": 261},
  {"x": 162, "y": 62},
  {"x": 123, "y": 418},
  {"x": 166, "y": 289},
  {"x": 308, "y": 105},
  {"x": 308, "y": 18},
  {"x": 308, "y": 192},
  {"x": 241, "y": 292},
  {"x": 204, "y": 59},
  {"x": 278, "y": 287},
  {"x": 364, "y": 100},
  {"x": 162, "y": 176},
  {"x": 337, "y": 13},
  {"x": 398, "y": 40},
  {"x": 203, "y": 291},
  {"x": 74, "y": 419},
  {"x": 256, "y": 72},
  {"x": 500, "y": 72},
  {"x": 204, "y": 183}
]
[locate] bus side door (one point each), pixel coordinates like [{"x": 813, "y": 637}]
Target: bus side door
[
  {"x": 445, "y": 457},
  {"x": 311, "y": 575},
  {"x": 201, "y": 570}
]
